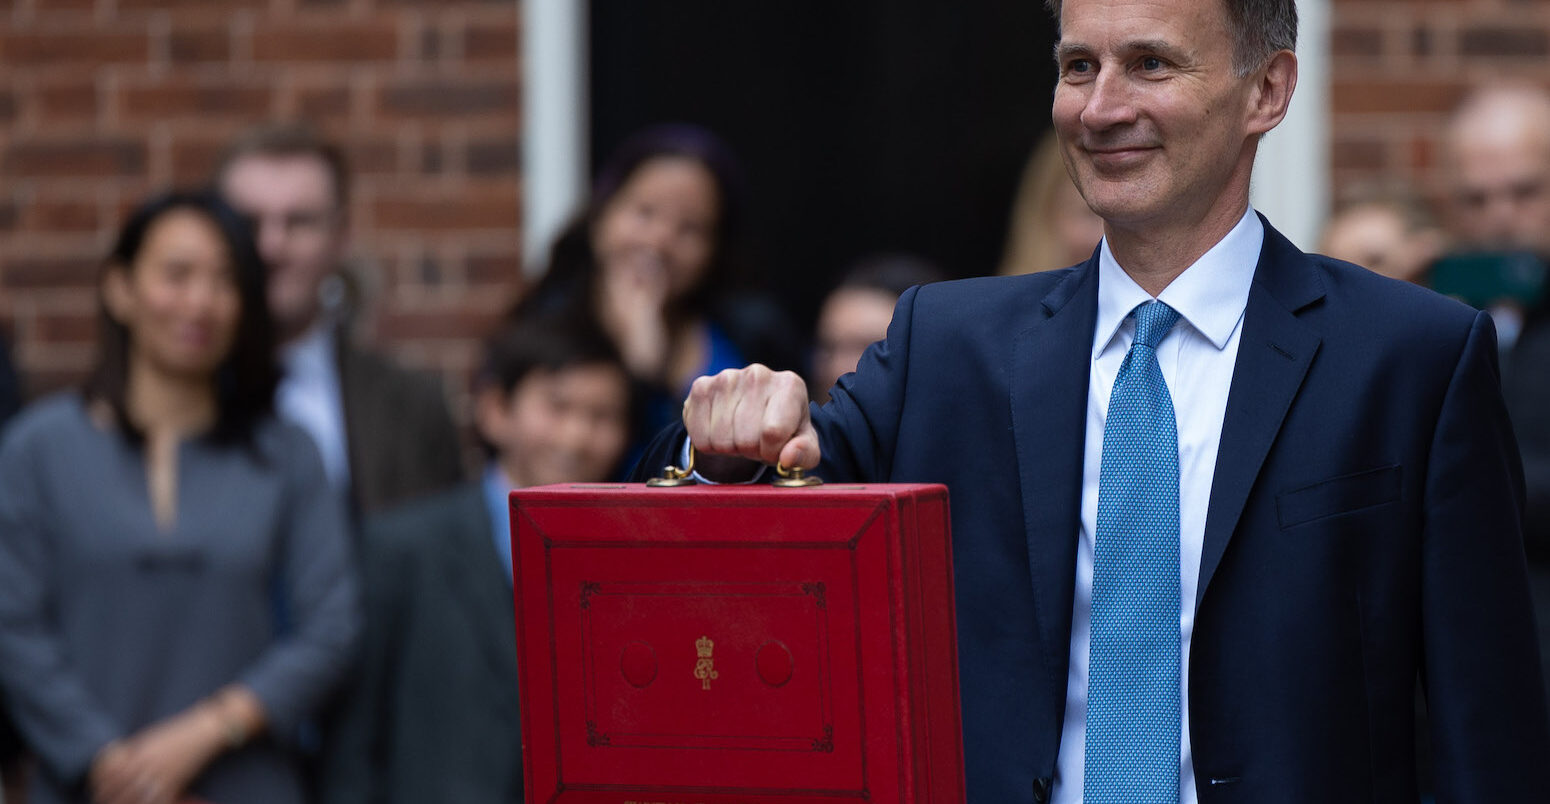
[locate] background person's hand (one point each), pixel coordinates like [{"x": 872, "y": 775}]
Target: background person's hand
[
  {"x": 156, "y": 764},
  {"x": 632, "y": 304},
  {"x": 752, "y": 413}
]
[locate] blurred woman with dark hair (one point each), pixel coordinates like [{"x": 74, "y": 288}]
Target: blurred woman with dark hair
[
  {"x": 655, "y": 259},
  {"x": 176, "y": 593}
]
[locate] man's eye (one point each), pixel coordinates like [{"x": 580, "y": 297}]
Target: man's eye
[
  {"x": 1079, "y": 66},
  {"x": 1151, "y": 63}
]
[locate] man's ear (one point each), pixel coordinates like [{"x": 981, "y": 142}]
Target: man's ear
[
  {"x": 490, "y": 414},
  {"x": 1272, "y": 92},
  {"x": 116, "y": 295}
]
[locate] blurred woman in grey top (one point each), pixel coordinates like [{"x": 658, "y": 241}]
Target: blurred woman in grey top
[{"x": 176, "y": 592}]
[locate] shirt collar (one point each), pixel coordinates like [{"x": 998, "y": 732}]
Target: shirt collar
[
  {"x": 313, "y": 350},
  {"x": 1210, "y": 294}
]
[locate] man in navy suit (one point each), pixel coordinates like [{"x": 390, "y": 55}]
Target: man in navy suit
[{"x": 1348, "y": 492}]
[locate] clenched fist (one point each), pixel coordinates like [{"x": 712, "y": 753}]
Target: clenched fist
[{"x": 752, "y": 413}]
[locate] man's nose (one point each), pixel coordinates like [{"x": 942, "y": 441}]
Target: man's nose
[
  {"x": 271, "y": 237},
  {"x": 1111, "y": 101}
]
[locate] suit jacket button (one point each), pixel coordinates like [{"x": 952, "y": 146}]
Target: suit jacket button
[{"x": 1041, "y": 790}]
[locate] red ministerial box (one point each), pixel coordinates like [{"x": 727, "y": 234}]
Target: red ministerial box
[{"x": 737, "y": 645}]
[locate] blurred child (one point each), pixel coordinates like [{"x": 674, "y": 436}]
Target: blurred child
[{"x": 434, "y": 716}]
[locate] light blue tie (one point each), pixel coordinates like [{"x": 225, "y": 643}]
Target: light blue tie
[{"x": 1133, "y": 673}]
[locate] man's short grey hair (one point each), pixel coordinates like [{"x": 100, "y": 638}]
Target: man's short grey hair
[{"x": 1260, "y": 28}]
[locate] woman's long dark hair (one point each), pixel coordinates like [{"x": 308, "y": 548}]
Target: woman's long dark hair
[
  {"x": 245, "y": 380},
  {"x": 569, "y": 286}
]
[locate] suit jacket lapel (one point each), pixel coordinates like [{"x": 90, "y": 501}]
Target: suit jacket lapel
[
  {"x": 1274, "y": 353},
  {"x": 1050, "y": 364}
]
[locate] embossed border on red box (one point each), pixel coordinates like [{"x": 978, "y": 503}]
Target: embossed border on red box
[{"x": 884, "y": 550}]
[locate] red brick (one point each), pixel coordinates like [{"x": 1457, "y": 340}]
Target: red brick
[
  {"x": 182, "y": 98},
  {"x": 1503, "y": 42},
  {"x": 495, "y": 157},
  {"x": 57, "y": 157},
  {"x": 1348, "y": 154},
  {"x": 194, "y": 45},
  {"x": 1379, "y": 96},
  {"x": 63, "y": 214},
  {"x": 193, "y": 160},
  {"x": 82, "y": 49},
  {"x": 65, "y": 327},
  {"x": 75, "y": 101},
  {"x": 485, "y": 208},
  {"x": 189, "y": 5},
  {"x": 335, "y": 44},
  {"x": 53, "y": 273},
  {"x": 437, "y": 324},
  {"x": 371, "y": 156},
  {"x": 444, "y": 98},
  {"x": 491, "y": 41},
  {"x": 323, "y": 104},
  {"x": 494, "y": 269},
  {"x": 1357, "y": 42}
]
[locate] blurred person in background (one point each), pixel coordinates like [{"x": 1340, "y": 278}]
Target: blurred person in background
[
  {"x": 384, "y": 433},
  {"x": 1499, "y": 166},
  {"x": 1051, "y": 226},
  {"x": 434, "y": 716},
  {"x": 176, "y": 590},
  {"x": 13, "y": 752},
  {"x": 655, "y": 260},
  {"x": 856, "y": 314},
  {"x": 1389, "y": 234}
]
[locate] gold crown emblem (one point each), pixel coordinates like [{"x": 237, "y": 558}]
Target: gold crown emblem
[{"x": 703, "y": 646}]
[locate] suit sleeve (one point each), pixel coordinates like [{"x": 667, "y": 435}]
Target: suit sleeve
[
  {"x": 1489, "y": 732},
  {"x": 859, "y": 427},
  {"x": 856, "y": 428},
  {"x": 50, "y": 702}
]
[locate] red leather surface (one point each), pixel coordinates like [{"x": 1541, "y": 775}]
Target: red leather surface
[{"x": 711, "y": 645}]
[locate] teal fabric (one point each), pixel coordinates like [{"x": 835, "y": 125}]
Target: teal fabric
[{"x": 1133, "y": 682}]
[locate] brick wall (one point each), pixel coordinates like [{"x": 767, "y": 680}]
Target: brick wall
[
  {"x": 1401, "y": 65},
  {"x": 105, "y": 101}
]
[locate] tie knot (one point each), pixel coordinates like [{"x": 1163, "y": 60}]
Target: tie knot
[{"x": 1153, "y": 320}]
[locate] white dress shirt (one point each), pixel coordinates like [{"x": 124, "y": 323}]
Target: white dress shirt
[
  {"x": 309, "y": 397},
  {"x": 1197, "y": 358}
]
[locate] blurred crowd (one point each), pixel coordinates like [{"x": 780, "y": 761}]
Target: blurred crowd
[{"x": 248, "y": 559}]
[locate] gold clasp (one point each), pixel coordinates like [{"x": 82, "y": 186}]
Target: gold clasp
[
  {"x": 794, "y": 478},
  {"x": 673, "y": 476}
]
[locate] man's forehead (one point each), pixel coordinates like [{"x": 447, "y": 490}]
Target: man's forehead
[
  {"x": 1080, "y": 19},
  {"x": 256, "y": 176}
]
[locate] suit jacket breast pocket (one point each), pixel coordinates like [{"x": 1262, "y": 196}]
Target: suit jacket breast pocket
[{"x": 1339, "y": 495}]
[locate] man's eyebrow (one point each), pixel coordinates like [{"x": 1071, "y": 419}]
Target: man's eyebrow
[{"x": 1064, "y": 50}]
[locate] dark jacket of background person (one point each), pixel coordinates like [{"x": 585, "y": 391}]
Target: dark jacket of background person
[
  {"x": 1526, "y": 387},
  {"x": 433, "y": 715},
  {"x": 1363, "y": 528},
  {"x": 398, "y": 433}
]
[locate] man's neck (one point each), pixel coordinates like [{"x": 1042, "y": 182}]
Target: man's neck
[{"x": 1154, "y": 255}]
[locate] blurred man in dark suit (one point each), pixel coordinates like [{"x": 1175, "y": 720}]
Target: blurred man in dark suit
[{"x": 384, "y": 433}]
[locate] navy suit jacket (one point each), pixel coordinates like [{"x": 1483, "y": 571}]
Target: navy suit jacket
[{"x": 1363, "y": 532}]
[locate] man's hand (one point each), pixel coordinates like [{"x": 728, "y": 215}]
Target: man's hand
[{"x": 753, "y": 413}]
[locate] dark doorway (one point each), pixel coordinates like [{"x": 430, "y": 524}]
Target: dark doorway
[{"x": 863, "y": 125}]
